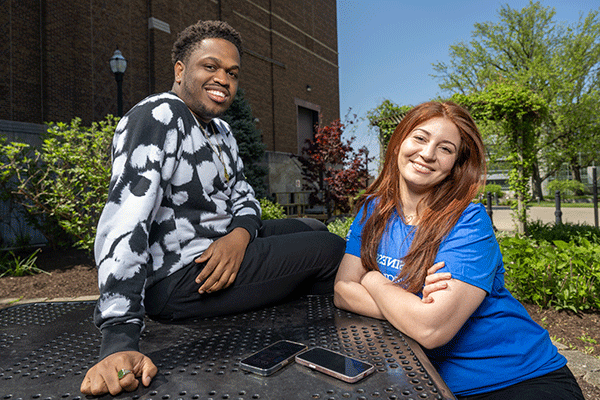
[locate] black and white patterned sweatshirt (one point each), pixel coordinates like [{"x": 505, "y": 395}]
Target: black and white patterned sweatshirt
[{"x": 168, "y": 200}]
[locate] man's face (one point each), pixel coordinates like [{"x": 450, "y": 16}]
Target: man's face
[{"x": 208, "y": 81}]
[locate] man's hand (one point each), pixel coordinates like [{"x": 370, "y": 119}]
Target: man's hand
[
  {"x": 223, "y": 259},
  {"x": 103, "y": 377},
  {"x": 435, "y": 281}
]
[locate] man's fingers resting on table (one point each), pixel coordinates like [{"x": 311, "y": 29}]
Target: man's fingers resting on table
[{"x": 118, "y": 372}]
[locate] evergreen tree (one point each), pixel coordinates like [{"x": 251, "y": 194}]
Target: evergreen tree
[{"x": 252, "y": 149}]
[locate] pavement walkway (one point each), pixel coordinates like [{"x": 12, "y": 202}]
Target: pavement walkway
[{"x": 502, "y": 216}]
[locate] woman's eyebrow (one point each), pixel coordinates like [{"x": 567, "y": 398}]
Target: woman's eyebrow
[{"x": 429, "y": 133}]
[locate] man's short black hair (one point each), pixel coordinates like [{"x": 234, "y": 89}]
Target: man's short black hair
[{"x": 190, "y": 37}]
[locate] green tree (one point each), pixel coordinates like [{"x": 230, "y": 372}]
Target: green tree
[
  {"x": 252, "y": 149},
  {"x": 557, "y": 62},
  {"x": 386, "y": 117},
  {"x": 576, "y": 99},
  {"x": 518, "y": 111}
]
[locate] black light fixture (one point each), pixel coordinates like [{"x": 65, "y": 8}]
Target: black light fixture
[{"x": 118, "y": 65}]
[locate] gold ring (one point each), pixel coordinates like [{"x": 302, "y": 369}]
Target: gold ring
[{"x": 121, "y": 374}]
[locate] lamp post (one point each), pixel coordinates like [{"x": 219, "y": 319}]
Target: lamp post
[{"x": 118, "y": 65}]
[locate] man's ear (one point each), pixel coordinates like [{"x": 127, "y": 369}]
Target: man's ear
[{"x": 178, "y": 69}]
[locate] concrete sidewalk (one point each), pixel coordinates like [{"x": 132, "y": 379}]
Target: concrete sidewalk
[{"x": 502, "y": 216}]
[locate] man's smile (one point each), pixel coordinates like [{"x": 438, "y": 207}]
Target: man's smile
[{"x": 217, "y": 95}]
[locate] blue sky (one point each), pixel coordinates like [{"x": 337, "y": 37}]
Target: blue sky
[{"x": 387, "y": 47}]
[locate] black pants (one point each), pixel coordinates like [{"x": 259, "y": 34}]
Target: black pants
[
  {"x": 289, "y": 257},
  {"x": 557, "y": 385}
]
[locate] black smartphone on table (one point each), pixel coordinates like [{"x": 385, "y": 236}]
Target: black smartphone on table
[
  {"x": 272, "y": 358},
  {"x": 339, "y": 366}
]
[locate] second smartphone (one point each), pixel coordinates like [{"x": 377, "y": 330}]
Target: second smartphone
[
  {"x": 339, "y": 366},
  {"x": 272, "y": 358}
]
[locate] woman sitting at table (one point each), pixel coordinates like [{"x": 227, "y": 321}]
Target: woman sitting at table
[{"x": 419, "y": 212}]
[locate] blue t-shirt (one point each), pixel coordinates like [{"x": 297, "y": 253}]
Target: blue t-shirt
[{"x": 499, "y": 345}]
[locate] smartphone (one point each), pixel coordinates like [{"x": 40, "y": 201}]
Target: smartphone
[
  {"x": 335, "y": 364},
  {"x": 272, "y": 358}
]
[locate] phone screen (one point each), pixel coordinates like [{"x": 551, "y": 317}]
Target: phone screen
[
  {"x": 272, "y": 358},
  {"x": 335, "y": 364}
]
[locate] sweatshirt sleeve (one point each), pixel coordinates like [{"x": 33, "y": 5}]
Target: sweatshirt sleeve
[
  {"x": 244, "y": 206},
  {"x": 145, "y": 150}
]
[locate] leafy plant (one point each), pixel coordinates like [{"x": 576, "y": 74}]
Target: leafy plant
[
  {"x": 63, "y": 185},
  {"x": 340, "y": 226},
  {"x": 13, "y": 265},
  {"x": 559, "y": 274},
  {"x": 493, "y": 189},
  {"x": 588, "y": 339},
  {"x": 539, "y": 230},
  {"x": 566, "y": 187},
  {"x": 386, "y": 117},
  {"x": 271, "y": 210}
]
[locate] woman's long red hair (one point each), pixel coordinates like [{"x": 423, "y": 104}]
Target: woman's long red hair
[{"x": 440, "y": 209}]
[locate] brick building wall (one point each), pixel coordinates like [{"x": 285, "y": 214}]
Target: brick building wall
[{"x": 56, "y": 57}]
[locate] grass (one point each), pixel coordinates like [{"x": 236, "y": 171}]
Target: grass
[
  {"x": 13, "y": 265},
  {"x": 562, "y": 204}
]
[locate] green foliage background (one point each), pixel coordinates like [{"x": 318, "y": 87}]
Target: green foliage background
[
  {"x": 340, "y": 226},
  {"x": 62, "y": 186},
  {"x": 566, "y": 188},
  {"x": 554, "y": 266},
  {"x": 271, "y": 210}
]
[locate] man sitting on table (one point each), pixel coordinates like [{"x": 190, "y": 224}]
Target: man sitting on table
[{"x": 181, "y": 236}]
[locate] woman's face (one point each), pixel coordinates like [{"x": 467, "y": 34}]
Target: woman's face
[{"x": 427, "y": 155}]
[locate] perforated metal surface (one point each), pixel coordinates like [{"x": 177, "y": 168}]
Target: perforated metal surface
[{"x": 46, "y": 348}]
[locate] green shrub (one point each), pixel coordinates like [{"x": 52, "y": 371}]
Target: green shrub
[
  {"x": 566, "y": 232},
  {"x": 340, "y": 226},
  {"x": 559, "y": 274},
  {"x": 494, "y": 189},
  {"x": 63, "y": 186},
  {"x": 271, "y": 210},
  {"x": 566, "y": 188}
]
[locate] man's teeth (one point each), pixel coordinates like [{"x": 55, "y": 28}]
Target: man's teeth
[{"x": 217, "y": 93}]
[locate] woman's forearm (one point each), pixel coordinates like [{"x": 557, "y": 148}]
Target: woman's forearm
[
  {"x": 352, "y": 296},
  {"x": 403, "y": 309},
  {"x": 432, "y": 324}
]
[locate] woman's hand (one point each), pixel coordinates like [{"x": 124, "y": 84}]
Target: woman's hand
[{"x": 435, "y": 281}]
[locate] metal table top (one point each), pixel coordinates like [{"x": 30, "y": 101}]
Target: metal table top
[{"x": 46, "y": 348}]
